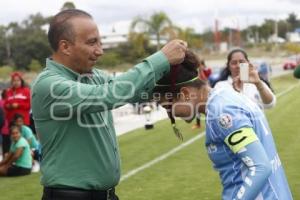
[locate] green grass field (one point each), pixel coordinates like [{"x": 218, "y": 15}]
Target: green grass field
[{"x": 188, "y": 173}]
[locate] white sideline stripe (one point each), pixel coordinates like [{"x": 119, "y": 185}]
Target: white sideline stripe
[
  {"x": 160, "y": 158},
  {"x": 287, "y": 90},
  {"x": 174, "y": 150}
]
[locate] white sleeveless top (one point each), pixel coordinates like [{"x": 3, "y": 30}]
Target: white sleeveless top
[{"x": 250, "y": 91}]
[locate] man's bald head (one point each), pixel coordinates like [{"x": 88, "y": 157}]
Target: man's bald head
[{"x": 61, "y": 27}]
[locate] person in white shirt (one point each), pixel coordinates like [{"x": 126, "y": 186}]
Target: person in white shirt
[{"x": 256, "y": 89}]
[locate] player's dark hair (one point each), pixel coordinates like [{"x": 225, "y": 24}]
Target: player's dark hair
[{"x": 182, "y": 75}]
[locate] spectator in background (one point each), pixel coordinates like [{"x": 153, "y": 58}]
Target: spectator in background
[
  {"x": 4, "y": 130},
  {"x": 205, "y": 69},
  {"x": 204, "y": 73},
  {"x": 18, "y": 161},
  {"x": 264, "y": 71},
  {"x": 17, "y": 99},
  {"x": 31, "y": 124},
  {"x": 26, "y": 132},
  {"x": 256, "y": 89},
  {"x": 2, "y": 119},
  {"x": 297, "y": 72}
]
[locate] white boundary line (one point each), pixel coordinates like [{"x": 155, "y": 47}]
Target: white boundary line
[
  {"x": 162, "y": 157},
  {"x": 287, "y": 90},
  {"x": 178, "y": 148}
]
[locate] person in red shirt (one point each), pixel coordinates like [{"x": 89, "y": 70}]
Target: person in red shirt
[
  {"x": 4, "y": 130},
  {"x": 203, "y": 72},
  {"x": 17, "y": 99}
]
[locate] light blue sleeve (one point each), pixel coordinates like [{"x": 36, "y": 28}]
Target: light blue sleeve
[
  {"x": 259, "y": 169},
  {"x": 224, "y": 119}
]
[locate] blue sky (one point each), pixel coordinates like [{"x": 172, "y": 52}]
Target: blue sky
[{"x": 199, "y": 14}]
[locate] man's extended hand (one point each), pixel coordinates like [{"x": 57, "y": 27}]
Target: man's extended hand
[{"x": 175, "y": 51}]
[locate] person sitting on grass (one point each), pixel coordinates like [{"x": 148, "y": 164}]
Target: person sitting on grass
[
  {"x": 18, "y": 161},
  {"x": 27, "y": 133}
]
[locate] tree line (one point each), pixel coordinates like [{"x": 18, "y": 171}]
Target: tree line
[{"x": 24, "y": 45}]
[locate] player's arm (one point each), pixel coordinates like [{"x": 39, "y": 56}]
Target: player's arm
[
  {"x": 6, "y": 159},
  {"x": 245, "y": 144},
  {"x": 66, "y": 97},
  {"x": 16, "y": 155}
]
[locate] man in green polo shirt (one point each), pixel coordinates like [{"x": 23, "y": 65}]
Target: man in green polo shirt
[{"x": 71, "y": 103}]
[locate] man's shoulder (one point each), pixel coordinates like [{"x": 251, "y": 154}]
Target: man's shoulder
[{"x": 45, "y": 79}]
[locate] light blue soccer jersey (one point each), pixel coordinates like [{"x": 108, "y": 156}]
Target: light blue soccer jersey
[{"x": 228, "y": 111}]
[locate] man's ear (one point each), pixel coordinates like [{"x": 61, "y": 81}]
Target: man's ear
[{"x": 64, "y": 47}]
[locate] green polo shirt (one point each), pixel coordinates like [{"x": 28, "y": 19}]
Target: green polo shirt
[
  {"x": 25, "y": 160},
  {"x": 75, "y": 125}
]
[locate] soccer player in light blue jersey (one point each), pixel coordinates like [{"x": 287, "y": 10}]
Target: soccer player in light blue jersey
[{"x": 238, "y": 138}]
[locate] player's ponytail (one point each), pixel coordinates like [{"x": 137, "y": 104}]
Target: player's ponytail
[{"x": 182, "y": 75}]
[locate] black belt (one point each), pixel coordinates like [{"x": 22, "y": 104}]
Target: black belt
[{"x": 66, "y": 193}]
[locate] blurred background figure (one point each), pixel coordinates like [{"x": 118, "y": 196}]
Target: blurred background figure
[
  {"x": 204, "y": 74},
  {"x": 18, "y": 161},
  {"x": 264, "y": 71},
  {"x": 27, "y": 133},
  {"x": 204, "y": 71},
  {"x": 17, "y": 99},
  {"x": 2, "y": 120},
  {"x": 4, "y": 131},
  {"x": 297, "y": 72},
  {"x": 257, "y": 89}
]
